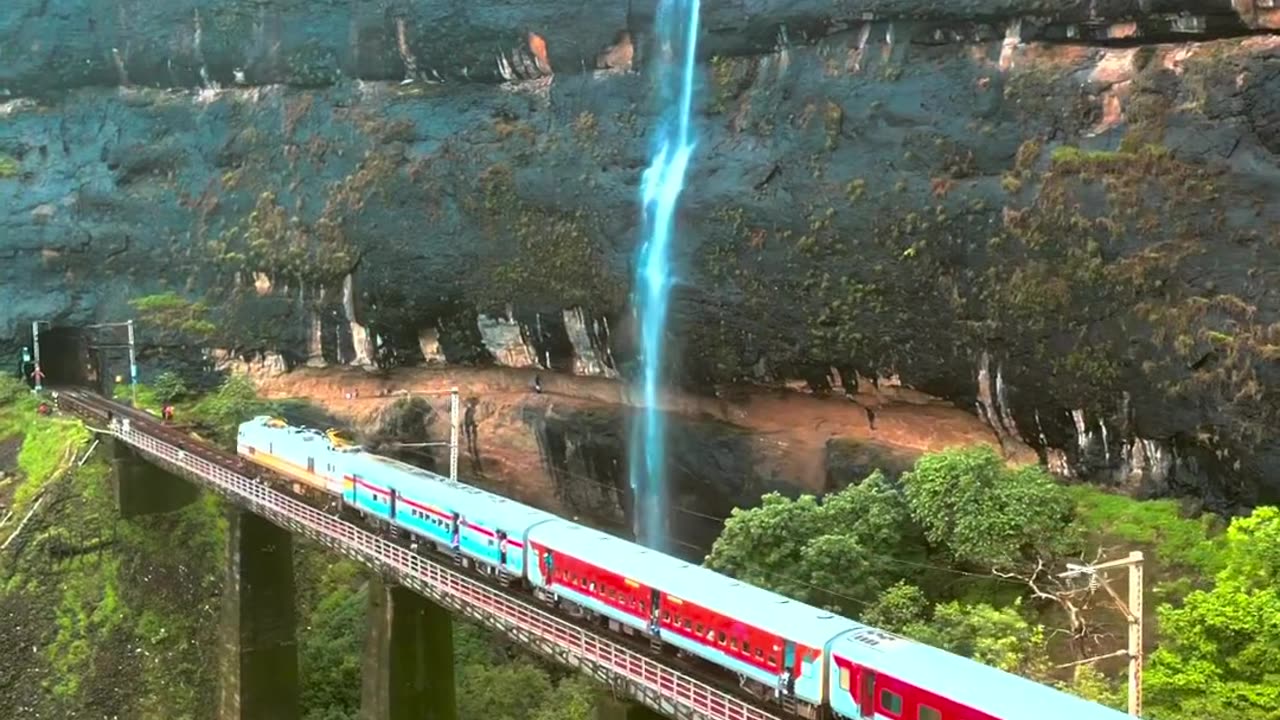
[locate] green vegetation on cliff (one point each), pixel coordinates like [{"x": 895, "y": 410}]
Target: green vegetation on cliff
[
  {"x": 168, "y": 313},
  {"x": 950, "y": 553},
  {"x": 8, "y": 167}
]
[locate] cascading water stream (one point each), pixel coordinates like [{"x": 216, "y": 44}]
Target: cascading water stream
[{"x": 676, "y": 42}]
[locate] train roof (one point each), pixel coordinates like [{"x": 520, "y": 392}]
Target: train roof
[
  {"x": 415, "y": 482},
  {"x": 463, "y": 498},
  {"x": 765, "y": 610},
  {"x": 968, "y": 682}
]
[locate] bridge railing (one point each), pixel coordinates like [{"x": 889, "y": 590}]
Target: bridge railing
[{"x": 647, "y": 679}]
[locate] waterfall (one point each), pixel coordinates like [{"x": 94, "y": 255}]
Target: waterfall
[{"x": 676, "y": 43}]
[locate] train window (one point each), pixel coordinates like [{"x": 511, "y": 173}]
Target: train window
[
  {"x": 746, "y": 647},
  {"x": 666, "y": 616},
  {"x": 759, "y": 654},
  {"x": 698, "y": 628},
  {"x": 688, "y": 623},
  {"x": 844, "y": 679},
  {"x": 733, "y": 643},
  {"x": 927, "y": 713},
  {"x": 890, "y": 702},
  {"x": 721, "y": 637}
]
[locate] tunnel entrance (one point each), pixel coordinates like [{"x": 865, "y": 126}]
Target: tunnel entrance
[
  {"x": 65, "y": 357},
  {"x": 93, "y": 356}
]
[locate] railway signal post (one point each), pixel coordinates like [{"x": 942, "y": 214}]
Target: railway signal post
[
  {"x": 1132, "y": 611},
  {"x": 35, "y": 344}
]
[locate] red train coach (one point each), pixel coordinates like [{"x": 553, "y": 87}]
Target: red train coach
[{"x": 776, "y": 645}]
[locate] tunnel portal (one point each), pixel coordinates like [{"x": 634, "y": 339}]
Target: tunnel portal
[{"x": 65, "y": 357}]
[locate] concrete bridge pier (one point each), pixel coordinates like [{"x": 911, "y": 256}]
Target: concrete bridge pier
[
  {"x": 407, "y": 672},
  {"x": 259, "y": 662},
  {"x": 142, "y": 488}
]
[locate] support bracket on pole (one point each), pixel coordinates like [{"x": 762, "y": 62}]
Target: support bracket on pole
[{"x": 1132, "y": 611}]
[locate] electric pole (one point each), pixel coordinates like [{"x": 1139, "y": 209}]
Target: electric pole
[{"x": 1132, "y": 611}]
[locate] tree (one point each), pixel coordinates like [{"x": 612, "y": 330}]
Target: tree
[
  {"x": 998, "y": 636},
  {"x": 330, "y": 655},
  {"x": 983, "y": 513},
  {"x": 838, "y": 552},
  {"x": 496, "y": 680},
  {"x": 235, "y": 401},
  {"x": 1220, "y": 649},
  {"x": 900, "y": 607},
  {"x": 170, "y": 313}
]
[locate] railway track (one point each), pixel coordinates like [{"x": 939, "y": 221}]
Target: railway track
[{"x": 110, "y": 416}]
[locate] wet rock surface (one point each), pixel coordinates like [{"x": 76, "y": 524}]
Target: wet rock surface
[
  {"x": 51, "y": 45},
  {"x": 878, "y": 197}
]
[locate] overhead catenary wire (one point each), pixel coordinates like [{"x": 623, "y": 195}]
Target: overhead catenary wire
[
  {"x": 566, "y": 473},
  {"x": 886, "y": 558}
]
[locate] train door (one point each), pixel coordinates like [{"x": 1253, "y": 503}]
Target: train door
[
  {"x": 788, "y": 667},
  {"x": 655, "y": 599},
  {"x": 311, "y": 465},
  {"x": 455, "y": 533},
  {"x": 867, "y": 692},
  {"x": 392, "y": 513},
  {"x": 502, "y": 549}
]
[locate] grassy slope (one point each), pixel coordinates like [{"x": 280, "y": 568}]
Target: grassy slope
[{"x": 113, "y": 617}]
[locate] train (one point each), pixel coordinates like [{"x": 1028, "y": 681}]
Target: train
[{"x": 810, "y": 661}]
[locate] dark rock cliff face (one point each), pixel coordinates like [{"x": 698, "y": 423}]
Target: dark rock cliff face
[
  {"x": 1033, "y": 209},
  {"x": 49, "y": 45}
]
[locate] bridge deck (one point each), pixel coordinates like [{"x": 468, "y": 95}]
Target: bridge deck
[{"x": 656, "y": 682}]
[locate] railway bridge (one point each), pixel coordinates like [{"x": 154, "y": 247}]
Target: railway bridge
[{"x": 407, "y": 671}]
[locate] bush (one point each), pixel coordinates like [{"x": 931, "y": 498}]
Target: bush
[{"x": 169, "y": 387}]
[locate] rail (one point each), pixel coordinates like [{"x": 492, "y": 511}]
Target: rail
[{"x": 649, "y": 680}]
